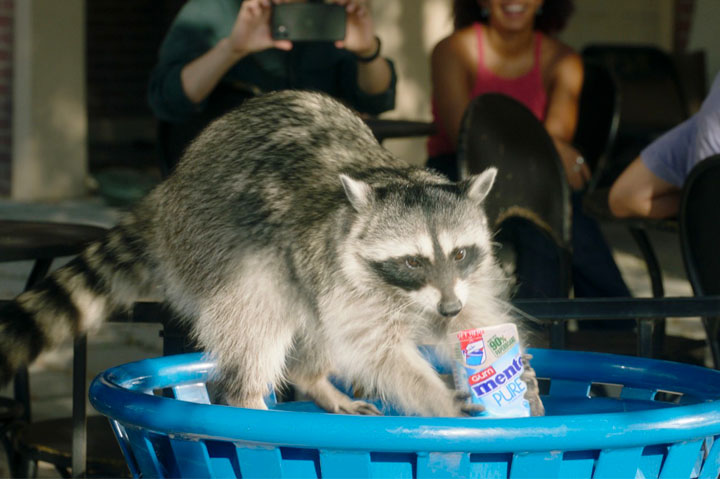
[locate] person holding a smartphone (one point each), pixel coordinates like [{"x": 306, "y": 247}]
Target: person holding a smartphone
[{"x": 219, "y": 52}]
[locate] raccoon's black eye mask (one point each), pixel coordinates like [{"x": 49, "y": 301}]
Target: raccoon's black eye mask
[
  {"x": 413, "y": 272},
  {"x": 466, "y": 259},
  {"x": 407, "y": 272}
]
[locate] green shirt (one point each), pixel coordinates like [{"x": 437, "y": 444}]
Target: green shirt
[{"x": 201, "y": 24}]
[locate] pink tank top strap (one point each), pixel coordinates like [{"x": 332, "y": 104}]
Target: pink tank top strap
[
  {"x": 482, "y": 70},
  {"x": 527, "y": 89},
  {"x": 538, "y": 50}
]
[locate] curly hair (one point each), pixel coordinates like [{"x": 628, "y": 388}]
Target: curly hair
[{"x": 552, "y": 18}]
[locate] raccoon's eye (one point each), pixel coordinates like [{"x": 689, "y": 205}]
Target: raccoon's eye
[
  {"x": 459, "y": 254},
  {"x": 412, "y": 262}
]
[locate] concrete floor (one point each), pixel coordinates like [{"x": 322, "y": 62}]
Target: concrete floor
[{"x": 121, "y": 343}]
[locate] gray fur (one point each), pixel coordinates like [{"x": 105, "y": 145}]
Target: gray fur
[{"x": 272, "y": 239}]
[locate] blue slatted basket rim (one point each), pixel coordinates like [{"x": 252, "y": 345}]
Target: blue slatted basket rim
[{"x": 123, "y": 393}]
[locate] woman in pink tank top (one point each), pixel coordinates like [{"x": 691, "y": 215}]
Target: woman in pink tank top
[{"x": 504, "y": 46}]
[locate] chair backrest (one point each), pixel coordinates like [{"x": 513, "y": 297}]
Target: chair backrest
[
  {"x": 497, "y": 130},
  {"x": 700, "y": 226},
  {"x": 691, "y": 67},
  {"x": 650, "y": 95},
  {"x": 598, "y": 117}
]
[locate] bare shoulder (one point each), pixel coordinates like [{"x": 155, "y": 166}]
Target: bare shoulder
[
  {"x": 560, "y": 62},
  {"x": 459, "y": 47}
]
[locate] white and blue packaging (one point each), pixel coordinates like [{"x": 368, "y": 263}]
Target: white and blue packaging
[{"x": 487, "y": 365}]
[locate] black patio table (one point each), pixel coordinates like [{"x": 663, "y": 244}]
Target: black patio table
[{"x": 388, "y": 128}]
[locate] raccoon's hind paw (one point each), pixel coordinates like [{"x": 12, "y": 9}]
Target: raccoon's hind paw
[
  {"x": 332, "y": 400},
  {"x": 466, "y": 408},
  {"x": 532, "y": 395}
]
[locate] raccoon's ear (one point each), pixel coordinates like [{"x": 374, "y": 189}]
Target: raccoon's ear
[
  {"x": 358, "y": 192},
  {"x": 477, "y": 187}
]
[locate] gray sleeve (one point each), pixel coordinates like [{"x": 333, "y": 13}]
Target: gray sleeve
[
  {"x": 707, "y": 138},
  {"x": 361, "y": 101},
  {"x": 667, "y": 156},
  {"x": 193, "y": 32},
  {"x": 672, "y": 156}
]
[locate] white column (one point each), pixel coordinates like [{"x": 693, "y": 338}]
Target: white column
[{"x": 49, "y": 115}]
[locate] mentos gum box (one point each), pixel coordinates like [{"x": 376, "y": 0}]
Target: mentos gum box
[{"x": 488, "y": 366}]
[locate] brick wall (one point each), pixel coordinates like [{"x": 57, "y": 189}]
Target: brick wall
[{"x": 6, "y": 73}]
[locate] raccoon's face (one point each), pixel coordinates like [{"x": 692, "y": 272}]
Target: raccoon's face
[{"x": 427, "y": 246}]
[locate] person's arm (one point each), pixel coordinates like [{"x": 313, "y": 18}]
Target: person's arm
[
  {"x": 250, "y": 34},
  {"x": 373, "y": 77},
  {"x": 451, "y": 85},
  {"x": 638, "y": 192},
  {"x": 650, "y": 186},
  {"x": 562, "y": 115}
]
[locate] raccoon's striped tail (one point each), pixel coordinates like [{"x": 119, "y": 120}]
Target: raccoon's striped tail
[{"x": 109, "y": 275}]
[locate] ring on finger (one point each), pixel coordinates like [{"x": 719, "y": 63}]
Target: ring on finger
[{"x": 579, "y": 161}]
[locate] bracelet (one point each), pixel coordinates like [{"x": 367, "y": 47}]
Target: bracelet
[{"x": 373, "y": 56}]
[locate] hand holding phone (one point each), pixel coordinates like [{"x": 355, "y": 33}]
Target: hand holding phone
[
  {"x": 360, "y": 37},
  {"x": 251, "y": 31},
  {"x": 305, "y": 22}
]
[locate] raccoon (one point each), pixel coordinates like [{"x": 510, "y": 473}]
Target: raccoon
[{"x": 295, "y": 246}]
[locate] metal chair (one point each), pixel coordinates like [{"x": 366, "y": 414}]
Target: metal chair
[
  {"x": 619, "y": 115},
  {"x": 700, "y": 237},
  {"x": 11, "y": 417},
  {"x": 631, "y": 95},
  {"x": 598, "y": 117},
  {"x": 51, "y": 441},
  {"x": 498, "y": 131},
  {"x": 650, "y": 101}
]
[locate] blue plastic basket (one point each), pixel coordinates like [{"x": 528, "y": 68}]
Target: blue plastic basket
[{"x": 664, "y": 422}]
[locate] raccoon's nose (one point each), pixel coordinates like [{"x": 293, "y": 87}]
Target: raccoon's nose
[{"x": 449, "y": 308}]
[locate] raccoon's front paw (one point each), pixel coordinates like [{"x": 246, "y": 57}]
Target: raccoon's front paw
[
  {"x": 466, "y": 408},
  {"x": 532, "y": 395},
  {"x": 358, "y": 407}
]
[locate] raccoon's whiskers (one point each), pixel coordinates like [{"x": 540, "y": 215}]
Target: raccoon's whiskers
[{"x": 517, "y": 311}]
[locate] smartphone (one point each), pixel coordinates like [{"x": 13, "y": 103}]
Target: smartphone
[{"x": 308, "y": 22}]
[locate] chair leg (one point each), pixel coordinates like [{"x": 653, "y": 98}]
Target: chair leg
[
  {"x": 558, "y": 329},
  {"x": 22, "y": 378},
  {"x": 21, "y": 386},
  {"x": 651, "y": 261},
  {"x": 647, "y": 335},
  {"x": 651, "y": 333},
  {"x": 558, "y": 333},
  {"x": 23, "y": 466},
  {"x": 7, "y": 445},
  {"x": 64, "y": 473},
  {"x": 79, "y": 414},
  {"x": 712, "y": 329},
  {"x": 39, "y": 271}
]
